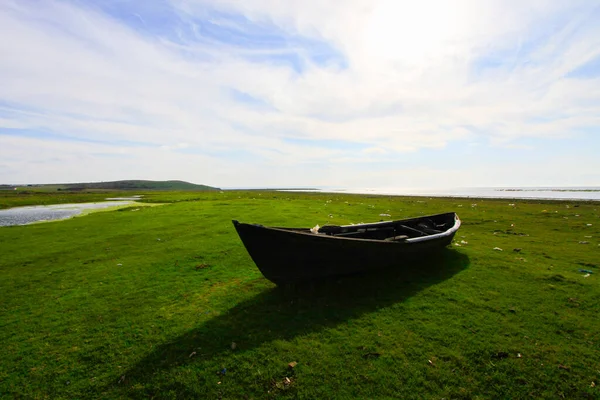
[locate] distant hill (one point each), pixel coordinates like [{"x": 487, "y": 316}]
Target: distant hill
[{"x": 135, "y": 185}]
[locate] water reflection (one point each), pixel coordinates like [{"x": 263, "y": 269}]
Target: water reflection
[{"x": 31, "y": 214}]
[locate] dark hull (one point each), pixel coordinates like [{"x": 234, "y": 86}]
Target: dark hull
[{"x": 296, "y": 255}]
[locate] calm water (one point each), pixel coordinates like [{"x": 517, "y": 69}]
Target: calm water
[
  {"x": 30, "y": 214},
  {"x": 134, "y": 198},
  {"x": 547, "y": 193}
]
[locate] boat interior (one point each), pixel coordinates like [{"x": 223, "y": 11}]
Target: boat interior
[{"x": 395, "y": 231}]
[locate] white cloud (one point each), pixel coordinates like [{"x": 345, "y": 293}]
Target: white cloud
[{"x": 417, "y": 75}]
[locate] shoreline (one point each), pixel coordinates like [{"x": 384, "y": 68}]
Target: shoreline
[{"x": 452, "y": 196}]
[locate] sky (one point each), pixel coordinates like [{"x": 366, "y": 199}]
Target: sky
[{"x": 301, "y": 93}]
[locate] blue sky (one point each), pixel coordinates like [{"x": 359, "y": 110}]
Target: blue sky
[{"x": 370, "y": 94}]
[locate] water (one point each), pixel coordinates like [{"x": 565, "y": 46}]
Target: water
[
  {"x": 31, "y": 214},
  {"x": 541, "y": 193},
  {"x": 133, "y": 198}
]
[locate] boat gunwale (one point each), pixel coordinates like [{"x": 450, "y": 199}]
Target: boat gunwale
[
  {"x": 450, "y": 231},
  {"x": 301, "y": 231}
]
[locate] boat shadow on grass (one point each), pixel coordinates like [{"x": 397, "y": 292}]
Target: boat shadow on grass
[{"x": 286, "y": 312}]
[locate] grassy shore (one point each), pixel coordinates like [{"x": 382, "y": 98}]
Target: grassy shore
[{"x": 164, "y": 302}]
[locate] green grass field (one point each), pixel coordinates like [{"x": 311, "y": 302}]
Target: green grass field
[{"x": 164, "y": 302}]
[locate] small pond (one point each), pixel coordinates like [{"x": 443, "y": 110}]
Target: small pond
[{"x": 31, "y": 214}]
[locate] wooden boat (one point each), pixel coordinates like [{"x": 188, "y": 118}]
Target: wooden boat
[{"x": 290, "y": 255}]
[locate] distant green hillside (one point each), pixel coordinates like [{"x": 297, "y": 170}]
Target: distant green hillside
[{"x": 135, "y": 185}]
